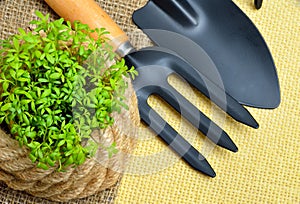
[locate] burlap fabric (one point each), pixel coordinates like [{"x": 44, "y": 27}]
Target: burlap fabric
[{"x": 95, "y": 176}]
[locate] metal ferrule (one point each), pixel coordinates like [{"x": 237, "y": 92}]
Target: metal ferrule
[{"x": 125, "y": 48}]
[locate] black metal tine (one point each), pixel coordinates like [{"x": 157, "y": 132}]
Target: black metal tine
[
  {"x": 175, "y": 141},
  {"x": 165, "y": 60},
  {"x": 195, "y": 117},
  {"x": 258, "y": 3},
  {"x": 153, "y": 80},
  {"x": 214, "y": 93}
]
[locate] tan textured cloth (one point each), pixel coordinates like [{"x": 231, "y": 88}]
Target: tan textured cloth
[{"x": 267, "y": 167}]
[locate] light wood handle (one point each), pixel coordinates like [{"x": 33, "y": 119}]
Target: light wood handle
[{"x": 88, "y": 12}]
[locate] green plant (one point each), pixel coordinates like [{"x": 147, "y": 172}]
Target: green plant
[{"x": 56, "y": 88}]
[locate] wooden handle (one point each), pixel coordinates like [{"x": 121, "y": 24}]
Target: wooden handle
[{"x": 88, "y": 12}]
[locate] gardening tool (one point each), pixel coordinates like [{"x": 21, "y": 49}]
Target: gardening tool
[
  {"x": 226, "y": 34},
  {"x": 154, "y": 66}
]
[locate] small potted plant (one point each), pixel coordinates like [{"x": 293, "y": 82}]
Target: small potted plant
[{"x": 61, "y": 92}]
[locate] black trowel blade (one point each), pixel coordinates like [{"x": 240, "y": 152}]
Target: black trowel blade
[{"x": 220, "y": 29}]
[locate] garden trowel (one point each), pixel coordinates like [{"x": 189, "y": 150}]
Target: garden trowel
[
  {"x": 218, "y": 28},
  {"x": 154, "y": 66}
]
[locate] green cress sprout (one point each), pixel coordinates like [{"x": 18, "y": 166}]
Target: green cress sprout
[{"x": 50, "y": 99}]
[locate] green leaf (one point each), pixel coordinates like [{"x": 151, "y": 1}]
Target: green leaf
[
  {"x": 25, "y": 118},
  {"x": 32, "y": 104},
  {"x": 31, "y": 134},
  {"x": 81, "y": 158},
  {"x": 47, "y": 47},
  {"x": 42, "y": 166},
  {"x": 112, "y": 150},
  {"x": 24, "y": 80},
  {"x": 48, "y": 110},
  {"x": 46, "y": 93},
  {"x": 70, "y": 143},
  {"x": 29, "y": 39},
  {"x": 12, "y": 73},
  {"x": 40, "y": 153},
  {"x": 38, "y": 54},
  {"x": 25, "y": 141},
  {"x": 24, "y": 102},
  {"x": 43, "y": 80},
  {"x": 57, "y": 112},
  {"x": 55, "y": 76},
  {"x": 21, "y": 92},
  {"x": 40, "y": 15},
  {"x": 69, "y": 161},
  {"x": 61, "y": 143},
  {"x": 68, "y": 153},
  {"x": 28, "y": 64},
  {"x": 32, "y": 157},
  {"x": 24, "y": 56},
  {"x": 57, "y": 91},
  {"x": 42, "y": 57},
  {"x": 112, "y": 83},
  {"x": 81, "y": 50},
  {"x": 61, "y": 136},
  {"x": 90, "y": 105},
  {"x": 49, "y": 121},
  {"x": 50, "y": 58},
  {"x": 16, "y": 43},
  {"x": 21, "y": 31},
  {"x": 38, "y": 63},
  {"x": 50, "y": 162},
  {"x": 20, "y": 73},
  {"x": 28, "y": 95},
  {"x": 5, "y": 85},
  {"x": 6, "y": 107},
  {"x": 10, "y": 59}
]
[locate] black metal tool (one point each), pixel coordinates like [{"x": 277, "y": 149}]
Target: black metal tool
[
  {"x": 154, "y": 66},
  {"x": 226, "y": 34}
]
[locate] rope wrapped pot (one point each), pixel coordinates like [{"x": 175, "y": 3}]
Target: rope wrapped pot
[
  {"x": 101, "y": 172},
  {"x": 96, "y": 174}
]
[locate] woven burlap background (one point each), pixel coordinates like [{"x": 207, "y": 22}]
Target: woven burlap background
[{"x": 88, "y": 179}]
